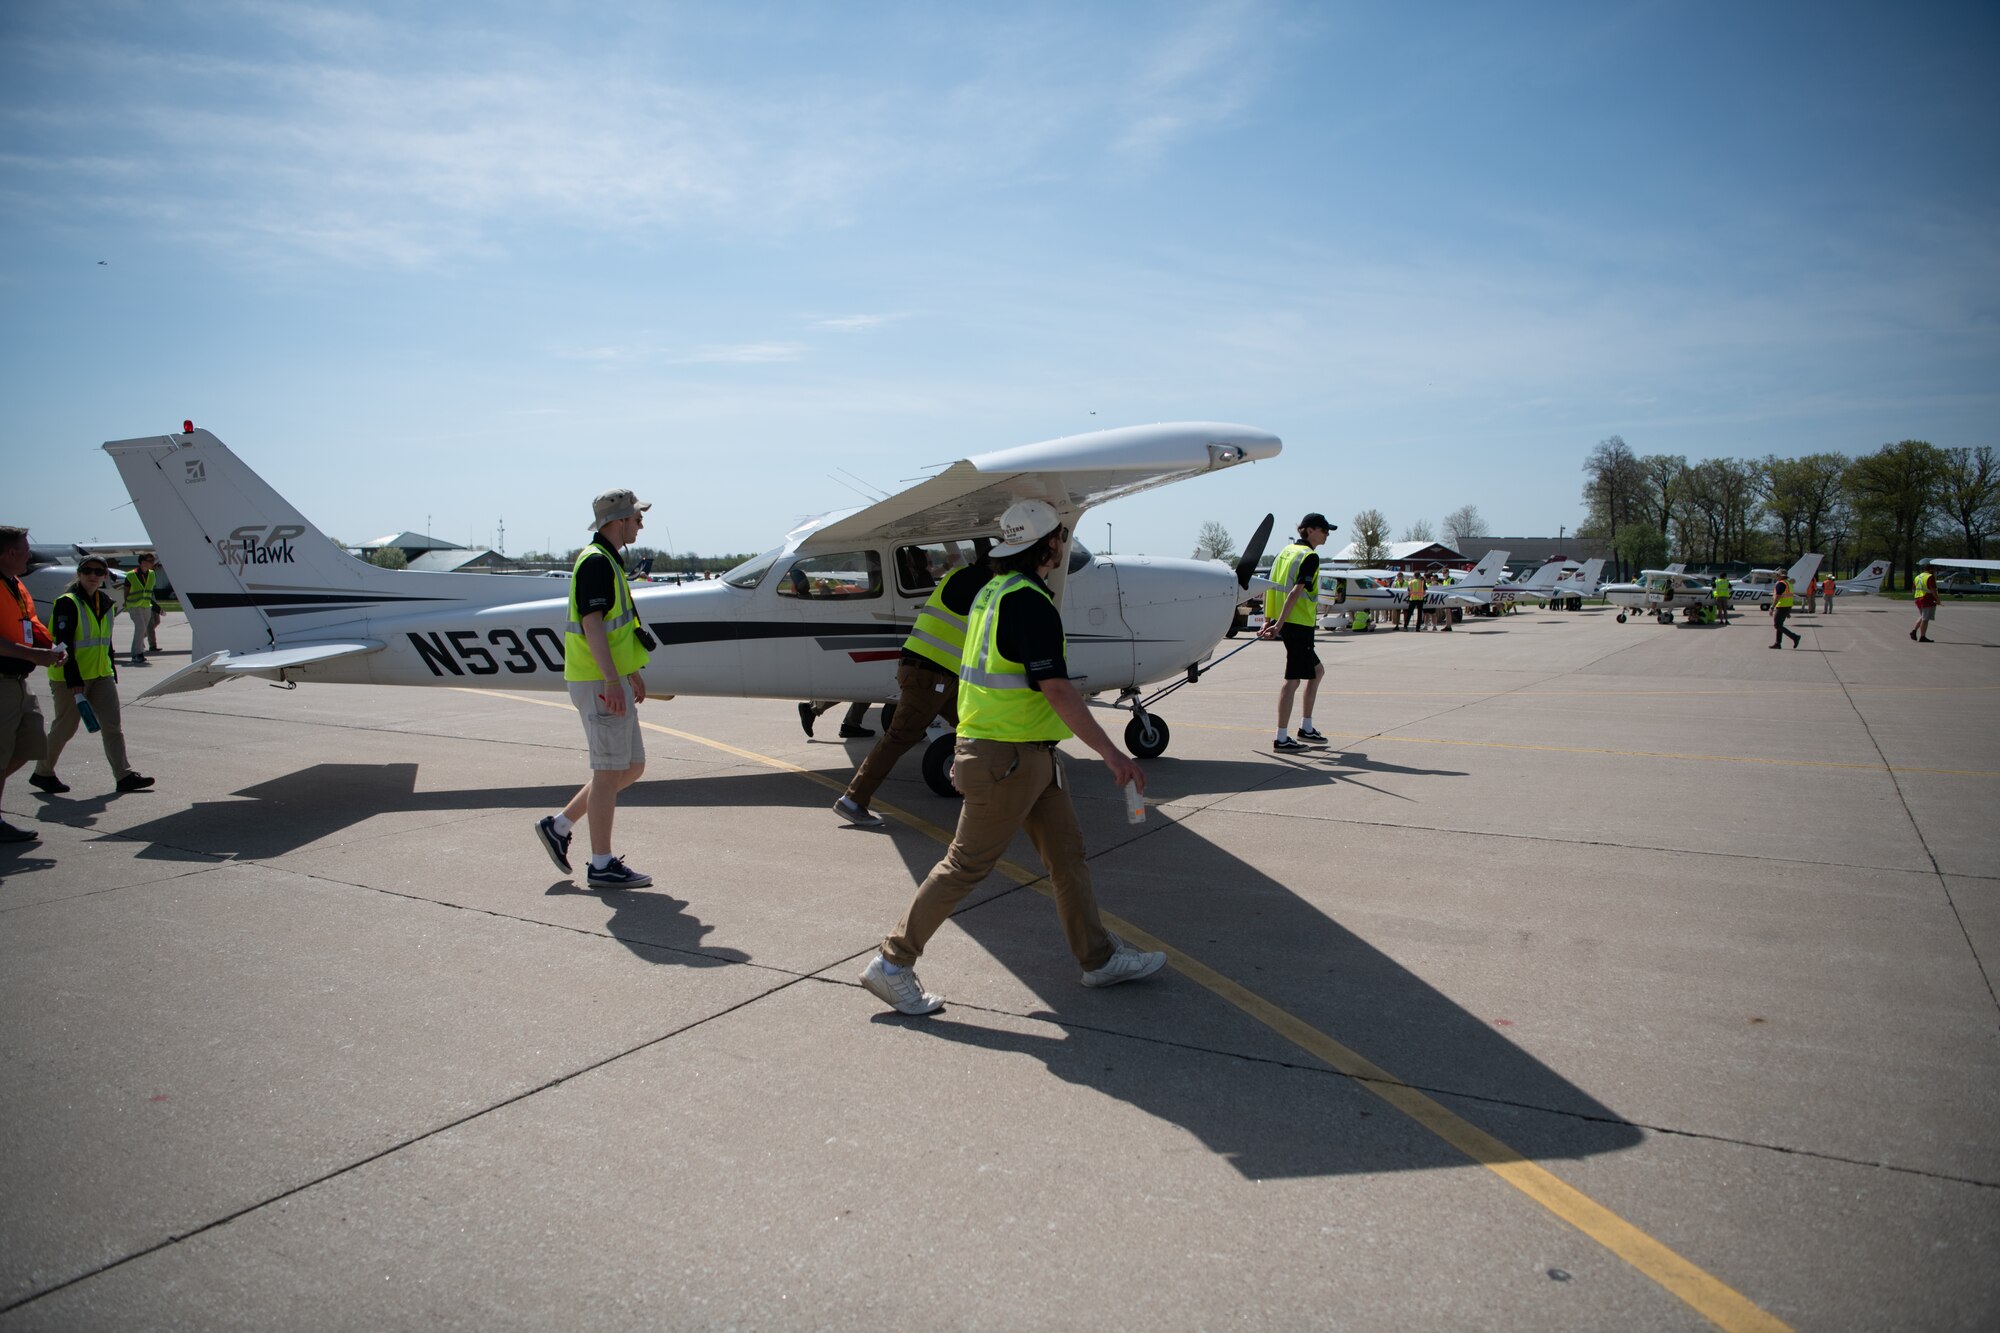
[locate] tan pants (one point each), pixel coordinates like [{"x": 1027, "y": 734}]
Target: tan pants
[
  {"x": 102, "y": 695},
  {"x": 142, "y": 624},
  {"x": 922, "y": 693},
  {"x": 1007, "y": 787}
]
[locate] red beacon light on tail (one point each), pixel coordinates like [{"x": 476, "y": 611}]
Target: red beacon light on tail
[{"x": 187, "y": 428}]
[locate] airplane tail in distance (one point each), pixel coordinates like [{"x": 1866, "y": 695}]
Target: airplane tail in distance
[
  {"x": 1801, "y": 572},
  {"x": 1868, "y": 581},
  {"x": 1587, "y": 578},
  {"x": 1487, "y": 572},
  {"x": 252, "y": 573},
  {"x": 1545, "y": 578}
]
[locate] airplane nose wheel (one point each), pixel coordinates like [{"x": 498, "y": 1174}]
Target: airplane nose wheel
[
  {"x": 1621, "y": 617},
  {"x": 1146, "y": 736},
  {"x": 937, "y": 764}
]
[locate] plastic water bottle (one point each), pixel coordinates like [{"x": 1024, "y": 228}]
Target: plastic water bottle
[
  {"x": 87, "y": 713},
  {"x": 1135, "y": 805}
]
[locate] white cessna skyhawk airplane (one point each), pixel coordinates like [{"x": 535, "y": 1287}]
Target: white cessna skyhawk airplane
[{"x": 821, "y": 616}]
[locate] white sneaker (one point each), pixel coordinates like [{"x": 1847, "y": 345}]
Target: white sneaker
[
  {"x": 901, "y": 990},
  {"x": 1125, "y": 964}
]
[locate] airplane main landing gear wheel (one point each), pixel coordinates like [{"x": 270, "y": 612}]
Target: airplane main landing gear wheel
[
  {"x": 937, "y": 764},
  {"x": 888, "y": 715},
  {"x": 1621, "y": 617},
  {"x": 1146, "y": 736}
]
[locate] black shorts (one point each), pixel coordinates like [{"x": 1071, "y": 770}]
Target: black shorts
[{"x": 1301, "y": 658}]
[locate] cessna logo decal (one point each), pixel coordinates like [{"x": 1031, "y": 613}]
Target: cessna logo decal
[
  {"x": 255, "y": 544},
  {"x": 196, "y": 471}
]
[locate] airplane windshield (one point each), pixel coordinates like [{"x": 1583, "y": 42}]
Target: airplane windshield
[{"x": 752, "y": 571}]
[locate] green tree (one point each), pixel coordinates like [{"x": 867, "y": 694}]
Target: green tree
[
  {"x": 1894, "y": 491},
  {"x": 1969, "y": 495},
  {"x": 389, "y": 557},
  {"x": 1612, "y": 491}
]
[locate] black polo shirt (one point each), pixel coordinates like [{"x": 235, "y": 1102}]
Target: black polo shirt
[
  {"x": 1031, "y": 633},
  {"x": 596, "y": 584}
]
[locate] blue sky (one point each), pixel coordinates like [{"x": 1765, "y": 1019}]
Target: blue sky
[{"x": 477, "y": 263}]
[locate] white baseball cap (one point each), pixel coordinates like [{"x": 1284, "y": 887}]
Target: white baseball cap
[{"x": 1025, "y": 523}]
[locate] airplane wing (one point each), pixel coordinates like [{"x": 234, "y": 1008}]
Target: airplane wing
[
  {"x": 1985, "y": 565},
  {"x": 1073, "y": 474}
]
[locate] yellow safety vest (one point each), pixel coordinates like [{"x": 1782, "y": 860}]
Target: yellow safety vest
[
  {"x": 1284, "y": 570},
  {"x": 1924, "y": 581},
  {"x": 939, "y": 633},
  {"x": 139, "y": 589},
  {"x": 1784, "y": 597},
  {"x": 995, "y": 700},
  {"x": 1722, "y": 589},
  {"x": 93, "y": 642},
  {"x": 621, "y": 626}
]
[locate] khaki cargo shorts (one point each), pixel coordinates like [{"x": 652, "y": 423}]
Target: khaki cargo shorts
[
  {"x": 615, "y": 742},
  {"x": 21, "y": 734}
]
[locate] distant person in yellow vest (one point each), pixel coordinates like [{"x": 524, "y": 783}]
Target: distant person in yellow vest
[
  {"x": 926, "y": 684},
  {"x": 159, "y": 614},
  {"x": 1015, "y": 705},
  {"x": 604, "y": 648},
  {"x": 80, "y": 622},
  {"x": 140, "y": 587},
  {"x": 1781, "y": 611},
  {"x": 1722, "y": 595},
  {"x": 1413, "y": 608},
  {"x": 1927, "y": 600},
  {"x": 1289, "y": 616}
]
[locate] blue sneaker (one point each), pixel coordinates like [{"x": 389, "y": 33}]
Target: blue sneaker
[
  {"x": 617, "y": 875},
  {"x": 554, "y": 843}
]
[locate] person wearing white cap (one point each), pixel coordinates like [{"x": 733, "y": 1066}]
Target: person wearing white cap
[
  {"x": 604, "y": 647},
  {"x": 1015, "y": 704}
]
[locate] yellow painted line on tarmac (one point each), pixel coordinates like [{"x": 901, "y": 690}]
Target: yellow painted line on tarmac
[
  {"x": 1622, "y": 754},
  {"x": 1710, "y": 1297}
]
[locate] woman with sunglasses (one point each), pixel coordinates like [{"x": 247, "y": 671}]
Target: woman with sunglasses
[{"x": 82, "y": 623}]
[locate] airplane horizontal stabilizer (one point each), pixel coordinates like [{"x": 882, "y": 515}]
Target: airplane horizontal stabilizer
[{"x": 218, "y": 667}]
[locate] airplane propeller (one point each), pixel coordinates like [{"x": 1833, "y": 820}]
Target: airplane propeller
[{"x": 1253, "y": 552}]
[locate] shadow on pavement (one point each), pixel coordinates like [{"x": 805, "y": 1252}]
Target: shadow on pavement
[{"x": 1173, "y": 882}]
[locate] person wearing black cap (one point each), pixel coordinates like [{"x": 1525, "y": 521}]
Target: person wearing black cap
[{"x": 1289, "y": 616}]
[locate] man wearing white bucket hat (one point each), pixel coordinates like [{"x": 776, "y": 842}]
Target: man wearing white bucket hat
[
  {"x": 1015, "y": 704},
  {"x": 604, "y": 647}
]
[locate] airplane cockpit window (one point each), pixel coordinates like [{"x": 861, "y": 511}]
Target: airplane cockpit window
[
  {"x": 919, "y": 568},
  {"x": 839, "y": 576},
  {"x": 751, "y": 572},
  {"x": 1079, "y": 555}
]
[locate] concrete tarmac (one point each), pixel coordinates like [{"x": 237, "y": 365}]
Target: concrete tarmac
[{"x": 1594, "y": 975}]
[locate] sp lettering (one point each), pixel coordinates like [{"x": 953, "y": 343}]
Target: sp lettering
[{"x": 256, "y": 544}]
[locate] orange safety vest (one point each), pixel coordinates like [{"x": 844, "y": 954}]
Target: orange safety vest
[{"x": 20, "y": 619}]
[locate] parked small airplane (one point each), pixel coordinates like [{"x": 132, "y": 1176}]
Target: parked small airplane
[
  {"x": 1756, "y": 588},
  {"x": 1538, "y": 587},
  {"x": 821, "y": 616},
  {"x": 1958, "y": 581},
  {"x": 1575, "y": 583},
  {"x": 1867, "y": 583},
  {"x": 1344, "y": 591},
  {"x": 52, "y": 567}
]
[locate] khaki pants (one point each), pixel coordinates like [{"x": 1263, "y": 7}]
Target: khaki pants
[
  {"x": 142, "y": 621},
  {"x": 922, "y": 693},
  {"x": 102, "y": 695},
  {"x": 1007, "y": 787}
]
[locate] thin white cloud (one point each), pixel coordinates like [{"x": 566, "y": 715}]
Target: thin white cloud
[
  {"x": 858, "y": 323},
  {"x": 748, "y": 354}
]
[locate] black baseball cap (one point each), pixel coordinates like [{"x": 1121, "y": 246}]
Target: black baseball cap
[{"x": 1315, "y": 521}]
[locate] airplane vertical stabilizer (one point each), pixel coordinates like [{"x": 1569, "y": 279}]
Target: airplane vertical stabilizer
[{"x": 250, "y": 571}]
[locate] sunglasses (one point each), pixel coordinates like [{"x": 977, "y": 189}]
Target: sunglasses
[{"x": 93, "y": 573}]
